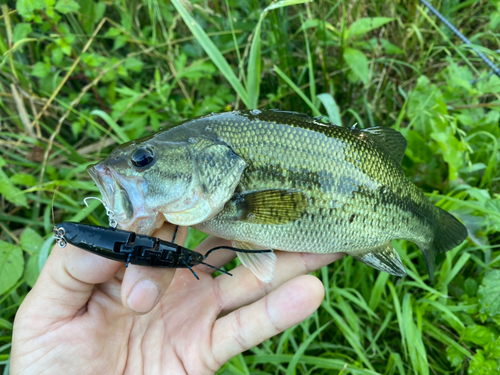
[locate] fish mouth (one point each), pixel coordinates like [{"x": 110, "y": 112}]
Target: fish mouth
[
  {"x": 114, "y": 196},
  {"x": 104, "y": 181},
  {"x": 125, "y": 198}
]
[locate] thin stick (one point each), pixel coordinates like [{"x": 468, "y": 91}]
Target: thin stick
[{"x": 486, "y": 60}]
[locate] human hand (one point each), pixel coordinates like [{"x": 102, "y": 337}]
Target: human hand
[{"x": 89, "y": 315}]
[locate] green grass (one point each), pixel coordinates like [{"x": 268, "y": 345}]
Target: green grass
[{"x": 76, "y": 80}]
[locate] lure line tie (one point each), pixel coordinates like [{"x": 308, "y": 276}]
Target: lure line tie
[{"x": 109, "y": 212}]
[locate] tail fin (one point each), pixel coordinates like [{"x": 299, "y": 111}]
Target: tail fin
[{"x": 449, "y": 235}]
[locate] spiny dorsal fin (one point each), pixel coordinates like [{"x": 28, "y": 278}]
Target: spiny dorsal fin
[
  {"x": 261, "y": 264},
  {"x": 382, "y": 258},
  {"x": 387, "y": 140},
  {"x": 280, "y": 206}
]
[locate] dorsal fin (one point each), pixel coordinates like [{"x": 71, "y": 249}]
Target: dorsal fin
[{"x": 387, "y": 140}]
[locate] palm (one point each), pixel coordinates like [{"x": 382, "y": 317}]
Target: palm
[{"x": 72, "y": 326}]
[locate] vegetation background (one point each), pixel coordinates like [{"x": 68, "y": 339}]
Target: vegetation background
[{"x": 77, "y": 78}]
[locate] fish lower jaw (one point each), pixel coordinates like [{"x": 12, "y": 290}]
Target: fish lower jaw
[{"x": 143, "y": 224}]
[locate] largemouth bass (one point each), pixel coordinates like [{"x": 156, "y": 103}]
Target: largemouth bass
[{"x": 277, "y": 180}]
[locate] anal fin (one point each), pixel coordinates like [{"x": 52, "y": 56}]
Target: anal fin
[
  {"x": 382, "y": 258},
  {"x": 261, "y": 264}
]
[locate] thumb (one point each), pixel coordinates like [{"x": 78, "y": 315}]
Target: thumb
[{"x": 67, "y": 282}]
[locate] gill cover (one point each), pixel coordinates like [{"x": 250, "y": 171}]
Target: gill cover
[{"x": 217, "y": 171}]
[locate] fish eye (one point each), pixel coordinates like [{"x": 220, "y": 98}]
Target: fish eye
[{"x": 143, "y": 157}]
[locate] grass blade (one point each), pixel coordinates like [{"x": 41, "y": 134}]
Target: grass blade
[
  {"x": 303, "y": 347},
  {"x": 112, "y": 123},
  {"x": 254, "y": 66},
  {"x": 299, "y": 92},
  {"x": 331, "y": 108},
  {"x": 254, "y": 60},
  {"x": 212, "y": 52}
]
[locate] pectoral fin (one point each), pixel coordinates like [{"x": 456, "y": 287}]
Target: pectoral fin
[
  {"x": 261, "y": 264},
  {"x": 383, "y": 258},
  {"x": 280, "y": 206}
]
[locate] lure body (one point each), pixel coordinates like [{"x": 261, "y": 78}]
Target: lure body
[
  {"x": 127, "y": 247},
  {"x": 138, "y": 249}
]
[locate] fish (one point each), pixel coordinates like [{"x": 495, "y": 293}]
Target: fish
[{"x": 278, "y": 180}]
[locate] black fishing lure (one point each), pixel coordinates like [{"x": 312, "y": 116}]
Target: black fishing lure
[{"x": 132, "y": 248}]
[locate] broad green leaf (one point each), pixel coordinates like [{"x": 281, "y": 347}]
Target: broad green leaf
[
  {"x": 489, "y": 293},
  {"x": 37, "y": 261},
  {"x": 40, "y": 69},
  {"x": 26, "y": 7},
  {"x": 331, "y": 107},
  {"x": 384, "y": 45},
  {"x": 479, "y": 335},
  {"x": 99, "y": 10},
  {"x": 494, "y": 20},
  {"x": 57, "y": 55},
  {"x": 112, "y": 32},
  {"x": 390, "y": 48},
  {"x": 493, "y": 349},
  {"x": 11, "y": 265},
  {"x": 471, "y": 287},
  {"x": 23, "y": 179},
  {"x": 67, "y": 6},
  {"x": 454, "y": 356},
  {"x": 212, "y": 51},
  {"x": 426, "y": 108},
  {"x": 21, "y": 31},
  {"x": 10, "y": 192},
  {"x": 197, "y": 71},
  {"x": 452, "y": 151},
  {"x": 418, "y": 150},
  {"x": 357, "y": 61},
  {"x": 31, "y": 241},
  {"x": 32, "y": 270},
  {"x": 363, "y": 25},
  {"x": 479, "y": 365},
  {"x": 134, "y": 64}
]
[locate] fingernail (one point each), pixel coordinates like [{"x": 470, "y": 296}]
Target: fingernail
[{"x": 143, "y": 296}]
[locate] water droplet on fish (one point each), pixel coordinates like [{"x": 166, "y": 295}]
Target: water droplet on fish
[
  {"x": 219, "y": 139},
  {"x": 251, "y": 215},
  {"x": 192, "y": 140},
  {"x": 208, "y": 128},
  {"x": 255, "y": 112}
]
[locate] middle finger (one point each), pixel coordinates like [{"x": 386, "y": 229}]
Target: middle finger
[{"x": 244, "y": 287}]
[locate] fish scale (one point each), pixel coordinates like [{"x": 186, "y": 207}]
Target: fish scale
[{"x": 278, "y": 180}]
